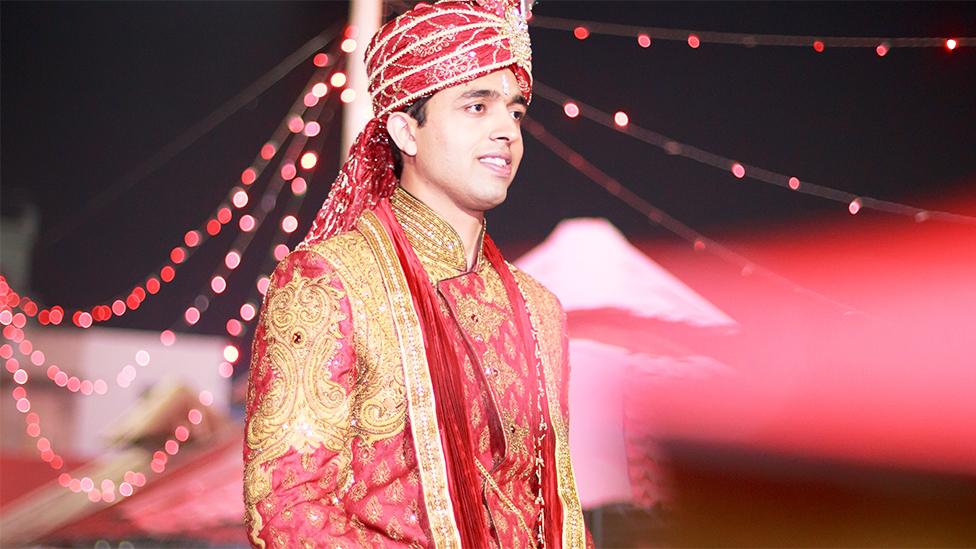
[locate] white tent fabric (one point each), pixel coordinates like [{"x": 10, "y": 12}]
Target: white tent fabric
[{"x": 589, "y": 264}]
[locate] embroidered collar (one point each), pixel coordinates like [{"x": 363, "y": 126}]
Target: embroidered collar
[{"x": 434, "y": 240}]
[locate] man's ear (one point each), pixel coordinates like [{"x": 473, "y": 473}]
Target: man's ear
[{"x": 402, "y": 129}]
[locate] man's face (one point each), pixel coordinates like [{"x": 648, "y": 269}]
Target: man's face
[{"x": 470, "y": 146}]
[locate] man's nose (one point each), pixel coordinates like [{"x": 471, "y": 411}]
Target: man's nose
[{"x": 505, "y": 127}]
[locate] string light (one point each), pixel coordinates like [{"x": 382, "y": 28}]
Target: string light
[
  {"x": 262, "y": 285},
  {"x": 309, "y": 160},
  {"x": 13, "y": 324},
  {"x": 571, "y": 109},
  {"x": 658, "y": 216},
  {"x": 288, "y": 171},
  {"x": 582, "y": 29},
  {"x": 280, "y": 251},
  {"x": 289, "y": 222},
  {"x": 296, "y": 124},
  {"x": 673, "y": 147},
  {"x": 105, "y": 489},
  {"x": 621, "y": 119},
  {"x": 312, "y": 129},
  {"x": 232, "y": 259},
  {"x": 348, "y": 95},
  {"x": 882, "y": 49},
  {"x": 247, "y": 223},
  {"x": 738, "y": 170},
  {"x": 338, "y": 80},
  {"x": 178, "y": 255},
  {"x": 643, "y": 40},
  {"x": 320, "y": 59},
  {"x": 249, "y": 176}
]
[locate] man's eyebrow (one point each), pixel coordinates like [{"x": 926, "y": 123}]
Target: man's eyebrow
[{"x": 491, "y": 94}]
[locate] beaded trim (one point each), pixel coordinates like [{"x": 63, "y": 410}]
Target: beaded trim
[
  {"x": 574, "y": 533},
  {"x": 420, "y": 392}
]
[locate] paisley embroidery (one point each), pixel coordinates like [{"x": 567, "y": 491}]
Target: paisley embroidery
[
  {"x": 380, "y": 407},
  {"x": 477, "y": 318},
  {"x": 302, "y": 408}
]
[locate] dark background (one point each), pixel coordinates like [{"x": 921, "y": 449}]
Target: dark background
[{"x": 92, "y": 90}]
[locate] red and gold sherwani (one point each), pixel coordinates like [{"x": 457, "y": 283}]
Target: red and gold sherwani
[{"x": 342, "y": 442}]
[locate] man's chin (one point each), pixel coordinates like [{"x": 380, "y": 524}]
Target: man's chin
[{"x": 494, "y": 199}]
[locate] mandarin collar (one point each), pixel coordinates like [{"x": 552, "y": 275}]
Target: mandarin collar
[{"x": 437, "y": 245}]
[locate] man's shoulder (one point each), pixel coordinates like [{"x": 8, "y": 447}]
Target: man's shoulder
[
  {"x": 346, "y": 254},
  {"x": 536, "y": 294}
]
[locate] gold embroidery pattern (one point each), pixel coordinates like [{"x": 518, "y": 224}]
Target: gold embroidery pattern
[
  {"x": 477, "y": 318},
  {"x": 504, "y": 499},
  {"x": 379, "y": 409},
  {"x": 420, "y": 394},
  {"x": 517, "y": 434},
  {"x": 302, "y": 408},
  {"x": 546, "y": 317},
  {"x": 484, "y": 29},
  {"x": 434, "y": 240}
]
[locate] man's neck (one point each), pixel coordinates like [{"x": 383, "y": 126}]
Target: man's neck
[{"x": 467, "y": 224}]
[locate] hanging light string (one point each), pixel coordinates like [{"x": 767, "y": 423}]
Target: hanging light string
[
  {"x": 644, "y": 35},
  {"x": 14, "y": 323},
  {"x": 621, "y": 122},
  {"x": 192, "y": 134},
  {"x": 107, "y": 489},
  {"x": 110, "y": 489},
  {"x": 237, "y": 198},
  {"x": 135, "y": 477},
  {"x": 289, "y": 170},
  {"x": 17, "y": 338},
  {"x": 657, "y": 216},
  {"x": 297, "y": 164}
]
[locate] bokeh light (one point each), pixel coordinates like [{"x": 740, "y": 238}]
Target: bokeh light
[
  {"x": 738, "y": 170},
  {"x": 309, "y": 160}
]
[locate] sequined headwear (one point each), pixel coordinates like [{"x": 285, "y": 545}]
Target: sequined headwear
[{"x": 425, "y": 50}]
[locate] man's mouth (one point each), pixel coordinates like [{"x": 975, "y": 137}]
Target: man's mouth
[{"x": 497, "y": 163}]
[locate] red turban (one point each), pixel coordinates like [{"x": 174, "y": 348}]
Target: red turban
[{"x": 427, "y": 49}]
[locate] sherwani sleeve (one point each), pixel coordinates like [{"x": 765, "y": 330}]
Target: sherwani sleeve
[{"x": 297, "y": 449}]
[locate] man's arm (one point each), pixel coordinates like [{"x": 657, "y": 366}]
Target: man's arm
[{"x": 297, "y": 450}]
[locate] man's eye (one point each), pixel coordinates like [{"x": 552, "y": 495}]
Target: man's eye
[
  {"x": 518, "y": 115},
  {"x": 477, "y": 107}
]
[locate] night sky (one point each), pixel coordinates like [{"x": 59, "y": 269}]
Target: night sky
[{"x": 90, "y": 91}]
